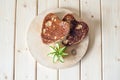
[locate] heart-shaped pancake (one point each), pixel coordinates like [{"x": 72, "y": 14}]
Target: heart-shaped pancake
[
  {"x": 78, "y": 30},
  {"x": 53, "y": 29}
]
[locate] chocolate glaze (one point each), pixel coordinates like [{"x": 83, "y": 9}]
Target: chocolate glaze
[{"x": 78, "y": 30}]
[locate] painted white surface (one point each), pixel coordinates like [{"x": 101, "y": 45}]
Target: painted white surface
[
  {"x": 6, "y": 39},
  {"x": 91, "y": 63},
  {"x": 111, "y": 39},
  {"x": 90, "y": 67},
  {"x": 24, "y": 63}
]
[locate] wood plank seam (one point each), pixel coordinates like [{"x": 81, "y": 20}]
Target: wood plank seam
[
  {"x": 101, "y": 40},
  {"x": 36, "y": 7},
  {"x": 14, "y": 39},
  {"x": 58, "y": 74},
  {"x": 35, "y": 70},
  {"x": 58, "y": 4},
  {"x": 36, "y": 61},
  {"x": 80, "y": 8}
]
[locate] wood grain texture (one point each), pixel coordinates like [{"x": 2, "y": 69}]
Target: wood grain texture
[
  {"x": 44, "y": 73},
  {"x": 90, "y": 68},
  {"x": 24, "y": 63},
  {"x": 6, "y": 39},
  {"x": 73, "y": 72},
  {"x": 46, "y": 4},
  {"x": 110, "y": 39},
  {"x": 91, "y": 63}
]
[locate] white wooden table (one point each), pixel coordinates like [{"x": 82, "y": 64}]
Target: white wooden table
[{"x": 102, "y": 61}]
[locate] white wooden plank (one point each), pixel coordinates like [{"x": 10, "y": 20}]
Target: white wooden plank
[
  {"x": 44, "y": 73},
  {"x": 71, "y": 5},
  {"x": 46, "y": 4},
  {"x": 24, "y": 63},
  {"x": 91, "y": 63},
  {"x": 111, "y": 39},
  {"x": 6, "y": 39},
  {"x": 71, "y": 73}
]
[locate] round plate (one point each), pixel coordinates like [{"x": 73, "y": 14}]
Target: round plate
[{"x": 39, "y": 50}]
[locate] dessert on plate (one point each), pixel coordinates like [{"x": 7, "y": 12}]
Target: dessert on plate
[
  {"x": 78, "y": 30},
  {"x": 54, "y": 29},
  {"x": 69, "y": 31}
]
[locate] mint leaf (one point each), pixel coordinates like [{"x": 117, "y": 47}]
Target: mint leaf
[
  {"x": 55, "y": 58},
  {"x": 61, "y": 50},
  {"x": 58, "y": 53},
  {"x": 61, "y": 59},
  {"x": 64, "y": 54},
  {"x": 53, "y": 48}
]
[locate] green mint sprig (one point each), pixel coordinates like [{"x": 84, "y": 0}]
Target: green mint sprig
[{"x": 58, "y": 53}]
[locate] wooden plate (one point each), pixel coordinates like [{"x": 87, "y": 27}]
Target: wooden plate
[{"x": 39, "y": 50}]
